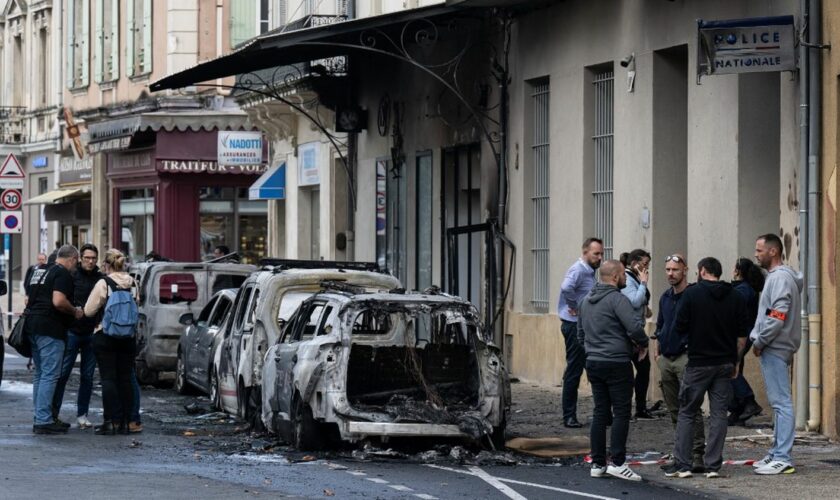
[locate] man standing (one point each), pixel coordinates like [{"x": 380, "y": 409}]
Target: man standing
[
  {"x": 672, "y": 351},
  {"x": 79, "y": 338},
  {"x": 51, "y": 313},
  {"x": 42, "y": 260},
  {"x": 712, "y": 315},
  {"x": 608, "y": 329},
  {"x": 579, "y": 280},
  {"x": 776, "y": 337}
]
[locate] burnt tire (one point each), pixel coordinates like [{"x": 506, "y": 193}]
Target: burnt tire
[
  {"x": 215, "y": 394},
  {"x": 145, "y": 376},
  {"x": 306, "y": 432},
  {"x": 253, "y": 410},
  {"x": 181, "y": 385}
]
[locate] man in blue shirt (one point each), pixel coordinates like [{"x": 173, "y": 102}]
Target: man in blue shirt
[{"x": 579, "y": 281}]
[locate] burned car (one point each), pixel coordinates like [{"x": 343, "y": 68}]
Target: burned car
[
  {"x": 167, "y": 291},
  {"x": 265, "y": 301},
  {"x": 384, "y": 365}
]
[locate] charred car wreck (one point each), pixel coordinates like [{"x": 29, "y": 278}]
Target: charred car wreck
[{"x": 357, "y": 366}]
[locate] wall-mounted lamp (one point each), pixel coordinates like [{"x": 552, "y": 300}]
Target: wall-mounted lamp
[{"x": 629, "y": 62}]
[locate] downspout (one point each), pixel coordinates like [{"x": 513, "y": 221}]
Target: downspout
[
  {"x": 813, "y": 276},
  {"x": 801, "y": 416},
  {"x": 499, "y": 317}
]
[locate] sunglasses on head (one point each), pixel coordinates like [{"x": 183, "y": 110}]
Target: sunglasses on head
[{"x": 674, "y": 258}]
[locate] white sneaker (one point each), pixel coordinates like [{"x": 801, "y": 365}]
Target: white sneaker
[
  {"x": 775, "y": 467},
  {"x": 712, "y": 474},
  {"x": 764, "y": 461},
  {"x": 598, "y": 470},
  {"x": 623, "y": 472},
  {"x": 83, "y": 422}
]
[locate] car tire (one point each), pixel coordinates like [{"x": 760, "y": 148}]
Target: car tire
[
  {"x": 145, "y": 376},
  {"x": 253, "y": 410},
  {"x": 305, "y": 429},
  {"x": 181, "y": 385},
  {"x": 215, "y": 394}
]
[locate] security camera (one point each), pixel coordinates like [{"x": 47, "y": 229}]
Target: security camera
[{"x": 627, "y": 60}]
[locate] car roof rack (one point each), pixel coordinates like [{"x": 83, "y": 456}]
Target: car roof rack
[{"x": 283, "y": 264}]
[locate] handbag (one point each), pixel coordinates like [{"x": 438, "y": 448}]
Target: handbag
[{"x": 19, "y": 340}]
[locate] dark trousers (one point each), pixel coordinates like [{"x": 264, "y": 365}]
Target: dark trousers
[
  {"x": 697, "y": 381},
  {"x": 575, "y": 360},
  {"x": 741, "y": 390},
  {"x": 612, "y": 389},
  {"x": 115, "y": 357},
  {"x": 642, "y": 380}
]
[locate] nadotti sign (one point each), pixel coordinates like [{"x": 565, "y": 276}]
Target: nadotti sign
[{"x": 240, "y": 148}]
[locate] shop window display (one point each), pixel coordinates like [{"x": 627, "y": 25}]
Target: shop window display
[
  {"x": 228, "y": 218},
  {"x": 137, "y": 209}
]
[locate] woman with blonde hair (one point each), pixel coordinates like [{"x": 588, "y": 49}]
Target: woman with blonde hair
[{"x": 113, "y": 300}]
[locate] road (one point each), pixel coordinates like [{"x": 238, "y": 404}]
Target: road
[{"x": 211, "y": 456}]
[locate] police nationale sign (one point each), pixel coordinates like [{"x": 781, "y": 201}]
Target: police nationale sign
[
  {"x": 746, "y": 45},
  {"x": 240, "y": 148}
]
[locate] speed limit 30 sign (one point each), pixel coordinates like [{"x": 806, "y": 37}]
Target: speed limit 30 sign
[{"x": 11, "y": 199}]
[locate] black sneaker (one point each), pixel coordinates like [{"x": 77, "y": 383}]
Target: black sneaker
[
  {"x": 58, "y": 421},
  {"x": 644, "y": 415},
  {"x": 52, "y": 428},
  {"x": 751, "y": 409},
  {"x": 677, "y": 471},
  {"x": 572, "y": 423}
]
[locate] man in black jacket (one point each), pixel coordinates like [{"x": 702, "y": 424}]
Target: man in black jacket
[
  {"x": 79, "y": 338},
  {"x": 713, "y": 316}
]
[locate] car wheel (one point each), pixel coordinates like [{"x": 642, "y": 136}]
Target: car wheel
[
  {"x": 253, "y": 410},
  {"x": 305, "y": 435},
  {"x": 215, "y": 395},
  {"x": 145, "y": 376},
  {"x": 181, "y": 385}
]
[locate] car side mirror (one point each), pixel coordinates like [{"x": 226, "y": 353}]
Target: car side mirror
[
  {"x": 4, "y": 289},
  {"x": 186, "y": 319}
]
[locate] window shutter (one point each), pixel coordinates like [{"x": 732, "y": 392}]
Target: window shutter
[
  {"x": 85, "y": 44},
  {"x": 114, "y": 59},
  {"x": 147, "y": 36},
  {"x": 243, "y": 21},
  {"x": 99, "y": 43},
  {"x": 71, "y": 42},
  {"x": 129, "y": 37}
]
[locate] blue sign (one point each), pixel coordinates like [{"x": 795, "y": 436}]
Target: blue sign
[
  {"x": 271, "y": 185},
  {"x": 39, "y": 162}
]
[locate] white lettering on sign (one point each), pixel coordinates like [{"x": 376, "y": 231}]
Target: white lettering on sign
[
  {"x": 239, "y": 148},
  {"x": 209, "y": 166}
]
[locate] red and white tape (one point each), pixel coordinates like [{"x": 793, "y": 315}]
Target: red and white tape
[{"x": 663, "y": 461}]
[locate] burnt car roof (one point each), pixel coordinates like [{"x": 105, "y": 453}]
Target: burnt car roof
[
  {"x": 292, "y": 277},
  {"x": 403, "y": 298}
]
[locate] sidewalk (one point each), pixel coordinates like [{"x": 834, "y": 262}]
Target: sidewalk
[{"x": 536, "y": 412}]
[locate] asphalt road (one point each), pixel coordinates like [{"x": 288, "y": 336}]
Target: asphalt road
[{"x": 211, "y": 456}]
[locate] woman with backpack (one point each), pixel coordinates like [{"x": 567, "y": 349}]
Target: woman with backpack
[{"x": 113, "y": 300}]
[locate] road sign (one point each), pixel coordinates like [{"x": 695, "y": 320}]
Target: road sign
[
  {"x": 11, "y": 173},
  {"x": 11, "y": 199},
  {"x": 11, "y": 222}
]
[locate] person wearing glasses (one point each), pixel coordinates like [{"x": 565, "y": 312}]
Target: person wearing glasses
[
  {"x": 671, "y": 352},
  {"x": 79, "y": 336},
  {"x": 636, "y": 264}
]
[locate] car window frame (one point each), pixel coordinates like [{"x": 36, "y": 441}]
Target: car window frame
[
  {"x": 209, "y": 307},
  {"x": 223, "y": 304},
  {"x": 243, "y": 301}
]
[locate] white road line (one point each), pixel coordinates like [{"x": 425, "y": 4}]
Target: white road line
[
  {"x": 425, "y": 496},
  {"x": 494, "y": 482},
  {"x": 400, "y": 487},
  {"x": 356, "y": 473},
  {"x": 376, "y": 480},
  {"x": 525, "y": 483}
]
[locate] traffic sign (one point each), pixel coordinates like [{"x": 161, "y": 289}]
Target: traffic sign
[
  {"x": 11, "y": 199},
  {"x": 11, "y": 222},
  {"x": 11, "y": 173}
]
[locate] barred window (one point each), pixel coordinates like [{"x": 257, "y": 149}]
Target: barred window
[
  {"x": 603, "y": 140},
  {"x": 540, "y": 205}
]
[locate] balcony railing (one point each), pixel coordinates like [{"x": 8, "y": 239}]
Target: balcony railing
[{"x": 12, "y": 112}]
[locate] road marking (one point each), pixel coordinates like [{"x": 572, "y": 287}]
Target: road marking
[
  {"x": 494, "y": 482},
  {"x": 376, "y": 480},
  {"x": 400, "y": 487},
  {"x": 425, "y": 496},
  {"x": 356, "y": 473},
  {"x": 11, "y": 355},
  {"x": 525, "y": 483}
]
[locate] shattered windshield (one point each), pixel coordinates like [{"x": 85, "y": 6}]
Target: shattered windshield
[{"x": 416, "y": 325}]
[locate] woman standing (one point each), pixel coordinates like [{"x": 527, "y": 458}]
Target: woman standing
[
  {"x": 636, "y": 265},
  {"x": 114, "y": 344},
  {"x": 747, "y": 280}
]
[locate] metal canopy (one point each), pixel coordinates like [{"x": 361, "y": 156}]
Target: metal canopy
[{"x": 279, "y": 48}]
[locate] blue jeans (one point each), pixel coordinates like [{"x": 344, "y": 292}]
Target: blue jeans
[
  {"x": 47, "y": 355},
  {"x": 776, "y": 372},
  {"x": 75, "y": 345},
  {"x": 575, "y": 361}
]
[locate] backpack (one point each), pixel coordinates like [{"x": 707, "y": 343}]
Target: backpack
[{"x": 121, "y": 314}]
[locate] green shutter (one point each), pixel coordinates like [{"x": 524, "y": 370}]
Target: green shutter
[
  {"x": 85, "y": 78},
  {"x": 129, "y": 37},
  {"x": 243, "y": 21},
  {"x": 147, "y": 36},
  {"x": 98, "y": 43},
  {"x": 71, "y": 50},
  {"x": 115, "y": 40}
]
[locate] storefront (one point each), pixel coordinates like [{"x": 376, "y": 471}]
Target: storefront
[{"x": 172, "y": 197}]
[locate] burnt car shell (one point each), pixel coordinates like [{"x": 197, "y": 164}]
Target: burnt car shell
[{"x": 385, "y": 365}]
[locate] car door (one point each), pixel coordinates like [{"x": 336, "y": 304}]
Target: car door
[
  {"x": 194, "y": 333},
  {"x": 205, "y": 343},
  {"x": 304, "y": 326},
  {"x": 229, "y": 356}
]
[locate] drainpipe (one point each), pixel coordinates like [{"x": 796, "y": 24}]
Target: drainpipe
[
  {"x": 813, "y": 280},
  {"x": 802, "y": 355},
  {"x": 502, "y": 191}
]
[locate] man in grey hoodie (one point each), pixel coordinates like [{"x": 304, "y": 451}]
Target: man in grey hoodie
[
  {"x": 776, "y": 337},
  {"x": 608, "y": 330}
]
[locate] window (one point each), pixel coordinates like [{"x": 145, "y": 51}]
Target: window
[
  {"x": 43, "y": 82},
  {"x": 322, "y": 327},
  {"x": 138, "y": 38},
  {"x": 372, "y": 322},
  {"x": 307, "y": 330},
  {"x": 252, "y": 310},
  {"x": 106, "y": 41},
  {"x": 423, "y": 225},
  {"x": 390, "y": 217},
  {"x": 279, "y": 14},
  {"x": 265, "y": 17},
  {"x": 242, "y": 305},
  {"x": 137, "y": 217},
  {"x": 289, "y": 303},
  {"x": 78, "y": 16},
  {"x": 18, "y": 91},
  {"x": 245, "y": 19},
  {"x": 227, "y": 217},
  {"x": 220, "y": 312},
  {"x": 540, "y": 168},
  {"x": 204, "y": 317},
  {"x": 222, "y": 281},
  {"x": 603, "y": 139}
]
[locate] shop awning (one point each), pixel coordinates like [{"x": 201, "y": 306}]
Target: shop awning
[
  {"x": 280, "y": 48},
  {"x": 52, "y": 196},
  {"x": 271, "y": 185}
]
